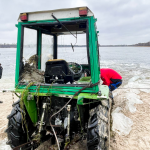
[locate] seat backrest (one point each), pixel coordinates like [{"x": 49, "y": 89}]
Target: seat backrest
[{"x": 57, "y": 67}]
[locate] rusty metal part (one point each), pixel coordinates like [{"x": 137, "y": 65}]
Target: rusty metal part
[
  {"x": 27, "y": 145},
  {"x": 33, "y": 144},
  {"x": 58, "y": 126},
  {"x": 41, "y": 123},
  {"x": 72, "y": 143},
  {"x": 68, "y": 126}
]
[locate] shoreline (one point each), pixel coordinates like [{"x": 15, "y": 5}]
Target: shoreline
[
  {"x": 99, "y": 46},
  {"x": 5, "y": 107}
]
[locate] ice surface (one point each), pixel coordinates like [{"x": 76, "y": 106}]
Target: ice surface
[
  {"x": 145, "y": 88},
  {"x": 140, "y": 82},
  {"x": 121, "y": 124},
  {"x": 133, "y": 79},
  {"x": 3, "y": 145},
  {"x": 137, "y": 83},
  {"x": 132, "y": 99}
]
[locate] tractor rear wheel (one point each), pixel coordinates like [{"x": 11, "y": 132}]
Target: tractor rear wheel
[
  {"x": 98, "y": 136},
  {"x": 16, "y": 131}
]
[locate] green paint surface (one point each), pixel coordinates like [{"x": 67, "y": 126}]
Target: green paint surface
[
  {"x": 39, "y": 48},
  {"x": 31, "y": 107}
]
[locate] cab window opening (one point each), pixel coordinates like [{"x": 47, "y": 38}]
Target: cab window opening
[{"x": 56, "y": 43}]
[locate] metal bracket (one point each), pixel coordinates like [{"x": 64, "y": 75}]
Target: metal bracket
[{"x": 68, "y": 126}]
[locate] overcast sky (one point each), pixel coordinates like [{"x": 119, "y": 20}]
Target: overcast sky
[{"x": 119, "y": 21}]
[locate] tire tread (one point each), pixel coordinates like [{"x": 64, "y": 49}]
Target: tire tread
[
  {"x": 15, "y": 133},
  {"x": 99, "y": 135}
]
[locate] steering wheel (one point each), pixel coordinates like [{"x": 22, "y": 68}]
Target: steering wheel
[{"x": 76, "y": 69}]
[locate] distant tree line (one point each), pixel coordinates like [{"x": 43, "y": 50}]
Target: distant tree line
[
  {"x": 29, "y": 46},
  {"x": 15, "y": 45},
  {"x": 8, "y": 45},
  {"x": 72, "y": 45},
  {"x": 113, "y": 45},
  {"x": 139, "y": 44},
  {"x": 143, "y": 44}
]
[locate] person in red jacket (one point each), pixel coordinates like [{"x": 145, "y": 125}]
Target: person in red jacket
[{"x": 111, "y": 78}]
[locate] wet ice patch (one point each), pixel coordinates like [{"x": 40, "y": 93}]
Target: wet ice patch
[
  {"x": 145, "y": 88},
  {"x": 3, "y": 145},
  {"x": 133, "y": 79},
  {"x": 146, "y": 66},
  {"x": 135, "y": 91},
  {"x": 141, "y": 83},
  {"x": 139, "y": 86},
  {"x": 121, "y": 124},
  {"x": 132, "y": 99}
]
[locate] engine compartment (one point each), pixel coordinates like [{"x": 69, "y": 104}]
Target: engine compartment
[{"x": 60, "y": 120}]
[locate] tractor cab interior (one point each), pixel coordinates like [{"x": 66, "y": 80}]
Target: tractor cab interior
[{"x": 55, "y": 52}]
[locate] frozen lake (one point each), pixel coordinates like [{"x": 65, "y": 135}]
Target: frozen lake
[{"x": 128, "y": 61}]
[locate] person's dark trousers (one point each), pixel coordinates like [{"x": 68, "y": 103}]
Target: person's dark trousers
[
  {"x": 1, "y": 70},
  {"x": 116, "y": 83}
]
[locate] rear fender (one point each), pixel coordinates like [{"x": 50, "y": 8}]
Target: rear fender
[
  {"x": 87, "y": 98},
  {"x": 30, "y": 105}
]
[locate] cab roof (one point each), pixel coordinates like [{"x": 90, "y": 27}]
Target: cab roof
[{"x": 59, "y": 13}]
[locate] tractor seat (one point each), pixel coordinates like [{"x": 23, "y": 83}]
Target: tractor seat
[{"x": 57, "y": 71}]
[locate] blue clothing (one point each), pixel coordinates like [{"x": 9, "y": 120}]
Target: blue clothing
[{"x": 114, "y": 86}]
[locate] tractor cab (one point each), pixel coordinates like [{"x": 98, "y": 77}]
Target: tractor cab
[{"x": 57, "y": 47}]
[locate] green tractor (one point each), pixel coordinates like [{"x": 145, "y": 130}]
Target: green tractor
[{"x": 61, "y": 97}]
